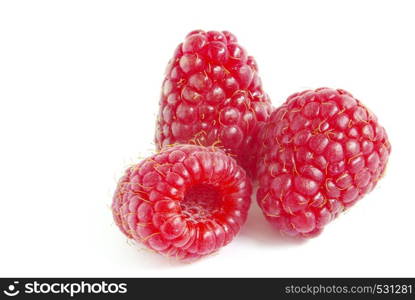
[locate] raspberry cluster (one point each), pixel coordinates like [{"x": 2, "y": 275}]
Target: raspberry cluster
[{"x": 312, "y": 157}]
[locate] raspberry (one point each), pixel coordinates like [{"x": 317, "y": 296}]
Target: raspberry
[
  {"x": 186, "y": 201},
  {"x": 212, "y": 95},
  {"x": 322, "y": 152}
]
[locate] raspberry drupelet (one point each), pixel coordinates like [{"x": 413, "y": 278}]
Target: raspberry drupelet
[
  {"x": 186, "y": 201},
  {"x": 322, "y": 151},
  {"x": 212, "y": 95}
]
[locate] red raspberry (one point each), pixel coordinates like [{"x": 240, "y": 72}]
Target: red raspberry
[
  {"x": 186, "y": 201},
  {"x": 322, "y": 151},
  {"x": 212, "y": 95}
]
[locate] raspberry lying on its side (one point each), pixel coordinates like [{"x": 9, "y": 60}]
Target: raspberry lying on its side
[
  {"x": 186, "y": 201},
  {"x": 322, "y": 151},
  {"x": 212, "y": 95}
]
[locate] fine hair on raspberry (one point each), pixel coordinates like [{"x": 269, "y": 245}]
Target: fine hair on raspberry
[{"x": 186, "y": 201}]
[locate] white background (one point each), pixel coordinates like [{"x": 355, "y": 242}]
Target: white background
[{"x": 79, "y": 88}]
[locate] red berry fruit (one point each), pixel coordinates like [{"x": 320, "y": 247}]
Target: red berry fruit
[
  {"x": 322, "y": 151},
  {"x": 212, "y": 95},
  {"x": 186, "y": 201}
]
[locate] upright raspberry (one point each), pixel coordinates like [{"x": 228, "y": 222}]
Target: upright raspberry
[
  {"x": 212, "y": 95},
  {"x": 185, "y": 202},
  {"x": 322, "y": 152}
]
